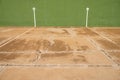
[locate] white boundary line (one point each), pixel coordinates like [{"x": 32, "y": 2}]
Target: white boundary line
[
  {"x": 62, "y": 65},
  {"x": 52, "y": 52},
  {"x": 3, "y": 41},
  {"x": 59, "y": 52},
  {"x": 91, "y": 41},
  {"x": 9, "y": 38},
  {"x": 105, "y": 37},
  {"x": 16, "y": 37},
  {"x": 59, "y": 65},
  {"x": 101, "y": 50}
]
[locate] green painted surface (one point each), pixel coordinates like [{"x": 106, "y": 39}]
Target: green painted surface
[{"x": 59, "y": 12}]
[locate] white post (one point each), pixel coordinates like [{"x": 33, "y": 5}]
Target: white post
[
  {"x": 87, "y": 9},
  {"x": 34, "y": 16}
]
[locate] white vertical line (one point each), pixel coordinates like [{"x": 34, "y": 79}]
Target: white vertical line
[
  {"x": 34, "y": 16},
  {"x": 87, "y": 9}
]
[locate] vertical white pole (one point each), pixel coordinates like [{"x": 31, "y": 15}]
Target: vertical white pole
[
  {"x": 87, "y": 9},
  {"x": 34, "y": 16}
]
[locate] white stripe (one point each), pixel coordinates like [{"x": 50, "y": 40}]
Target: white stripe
[{"x": 15, "y": 37}]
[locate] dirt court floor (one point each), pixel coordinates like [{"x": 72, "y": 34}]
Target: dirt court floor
[{"x": 59, "y": 53}]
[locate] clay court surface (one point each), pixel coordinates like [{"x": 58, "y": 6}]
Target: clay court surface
[{"x": 59, "y": 53}]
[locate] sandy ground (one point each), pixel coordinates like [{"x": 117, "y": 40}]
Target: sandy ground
[{"x": 59, "y": 53}]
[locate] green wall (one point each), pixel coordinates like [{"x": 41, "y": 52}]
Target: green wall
[{"x": 59, "y": 12}]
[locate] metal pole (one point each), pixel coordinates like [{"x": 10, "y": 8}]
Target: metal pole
[
  {"x": 34, "y": 16},
  {"x": 87, "y": 13}
]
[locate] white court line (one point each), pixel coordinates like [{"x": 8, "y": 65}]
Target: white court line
[
  {"x": 4, "y": 41},
  {"x": 105, "y": 37},
  {"x": 63, "y": 65},
  {"x": 101, "y": 50},
  {"x": 91, "y": 41},
  {"x": 16, "y": 37},
  {"x": 52, "y": 52}
]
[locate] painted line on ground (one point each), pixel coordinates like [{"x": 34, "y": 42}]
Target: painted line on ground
[
  {"x": 7, "y": 38},
  {"x": 104, "y": 37},
  {"x": 2, "y": 42},
  {"x": 63, "y": 65},
  {"x": 44, "y": 52},
  {"x": 101, "y": 50},
  {"x": 52, "y": 52},
  {"x": 92, "y": 42},
  {"x": 16, "y": 37}
]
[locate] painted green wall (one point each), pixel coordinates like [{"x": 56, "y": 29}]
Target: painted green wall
[{"x": 59, "y": 12}]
